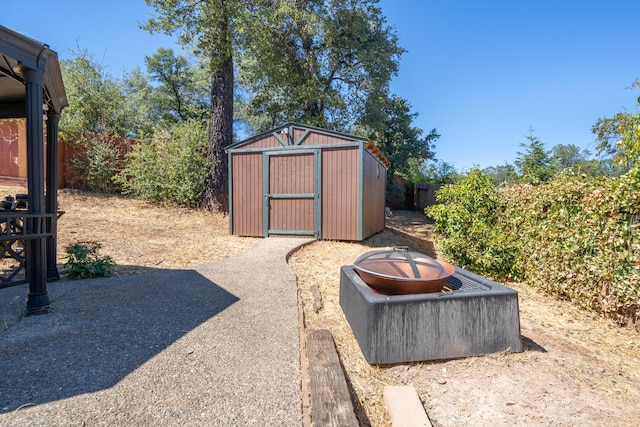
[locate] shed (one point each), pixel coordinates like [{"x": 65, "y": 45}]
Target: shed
[{"x": 298, "y": 180}]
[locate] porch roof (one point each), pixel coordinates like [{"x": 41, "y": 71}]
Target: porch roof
[{"x": 16, "y": 53}]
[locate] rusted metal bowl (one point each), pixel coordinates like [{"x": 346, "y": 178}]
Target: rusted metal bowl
[{"x": 394, "y": 272}]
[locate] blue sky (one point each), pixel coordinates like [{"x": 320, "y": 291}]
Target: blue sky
[{"x": 481, "y": 72}]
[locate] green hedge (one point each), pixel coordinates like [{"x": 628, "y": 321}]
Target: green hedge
[{"x": 576, "y": 237}]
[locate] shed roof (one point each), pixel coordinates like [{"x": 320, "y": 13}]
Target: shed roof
[
  {"x": 278, "y": 130},
  {"x": 18, "y": 51}
]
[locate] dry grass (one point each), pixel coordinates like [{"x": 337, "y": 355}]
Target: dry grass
[
  {"x": 577, "y": 369},
  {"x": 139, "y": 235}
]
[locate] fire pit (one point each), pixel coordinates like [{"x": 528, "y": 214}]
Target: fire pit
[
  {"x": 470, "y": 316},
  {"x": 400, "y": 272}
]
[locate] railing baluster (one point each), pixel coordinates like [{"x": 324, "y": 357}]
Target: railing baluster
[{"x": 16, "y": 227}]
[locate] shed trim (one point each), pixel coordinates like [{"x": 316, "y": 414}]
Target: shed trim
[
  {"x": 360, "y": 190},
  {"x": 230, "y": 189},
  {"x": 279, "y": 138},
  {"x": 288, "y": 126},
  {"x": 302, "y": 137},
  {"x": 267, "y": 195}
]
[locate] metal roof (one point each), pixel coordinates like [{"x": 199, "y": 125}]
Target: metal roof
[
  {"x": 17, "y": 52},
  {"x": 297, "y": 125},
  {"x": 368, "y": 144}
]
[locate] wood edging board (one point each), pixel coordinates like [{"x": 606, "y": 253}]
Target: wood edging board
[{"x": 330, "y": 399}]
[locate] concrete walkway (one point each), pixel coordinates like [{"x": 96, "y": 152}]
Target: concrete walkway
[{"x": 214, "y": 346}]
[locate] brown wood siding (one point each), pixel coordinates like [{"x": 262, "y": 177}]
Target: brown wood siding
[
  {"x": 340, "y": 193},
  {"x": 247, "y": 202},
  {"x": 13, "y": 148},
  {"x": 291, "y": 214},
  {"x": 298, "y": 133},
  {"x": 318, "y": 139},
  {"x": 373, "y": 199},
  {"x": 268, "y": 141},
  {"x": 291, "y": 174}
]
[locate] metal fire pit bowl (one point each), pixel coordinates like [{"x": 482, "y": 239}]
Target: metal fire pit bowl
[{"x": 400, "y": 272}]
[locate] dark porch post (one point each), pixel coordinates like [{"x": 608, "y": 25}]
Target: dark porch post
[
  {"x": 38, "y": 298},
  {"x": 51, "y": 200}
]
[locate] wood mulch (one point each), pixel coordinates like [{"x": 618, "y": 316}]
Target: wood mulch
[{"x": 576, "y": 368}]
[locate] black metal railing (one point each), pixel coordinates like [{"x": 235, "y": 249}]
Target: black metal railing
[{"x": 16, "y": 229}]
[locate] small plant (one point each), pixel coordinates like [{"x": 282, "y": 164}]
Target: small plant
[{"x": 84, "y": 262}]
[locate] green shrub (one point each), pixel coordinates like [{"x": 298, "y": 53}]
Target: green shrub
[
  {"x": 98, "y": 159},
  {"x": 576, "y": 237},
  {"x": 84, "y": 262},
  {"x": 171, "y": 168},
  {"x": 469, "y": 217}
]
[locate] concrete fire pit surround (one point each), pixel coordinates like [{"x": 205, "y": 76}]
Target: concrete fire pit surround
[{"x": 480, "y": 317}]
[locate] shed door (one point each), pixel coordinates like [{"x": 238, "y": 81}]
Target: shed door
[{"x": 292, "y": 193}]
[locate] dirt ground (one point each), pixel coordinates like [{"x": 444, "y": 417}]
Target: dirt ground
[{"x": 577, "y": 369}]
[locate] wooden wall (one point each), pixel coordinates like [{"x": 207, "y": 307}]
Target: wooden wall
[
  {"x": 374, "y": 194},
  {"x": 247, "y": 203},
  {"x": 340, "y": 193}
]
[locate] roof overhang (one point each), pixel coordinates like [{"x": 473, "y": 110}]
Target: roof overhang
[
  {"x": 17, "y": 53},
  {"x": 290, "y": 125}
]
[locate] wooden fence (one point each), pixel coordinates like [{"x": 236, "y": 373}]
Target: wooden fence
[
  {"x": 425, "y": 195},
  {"x": 13, "y": 154}
]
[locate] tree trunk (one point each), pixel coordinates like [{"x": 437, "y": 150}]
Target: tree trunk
[{"x": 216, "y": 194}]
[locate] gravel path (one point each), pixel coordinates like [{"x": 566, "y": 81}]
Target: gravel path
[{"x": 215, "y": 346}]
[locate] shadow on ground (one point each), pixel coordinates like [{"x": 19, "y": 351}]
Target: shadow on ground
[
  {"x": 530, "y": 345},
  {"x": 99, "y": 331}
]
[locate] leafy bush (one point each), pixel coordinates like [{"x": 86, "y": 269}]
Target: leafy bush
[
  {"x": 96, "y": 161},
  {"x": 469, "y": 217},
  {"x": 171, "y": 168},
  {"x": 576, "y": 237},
  {"x": 84, "y": 262},
  {"x": 580, "y": 240}
]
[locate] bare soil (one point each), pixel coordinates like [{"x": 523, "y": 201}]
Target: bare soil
[{"x": 577, "y": 369}]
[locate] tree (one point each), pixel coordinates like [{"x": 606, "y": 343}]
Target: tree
[
  {"x": 181, "y": 94},
  {"x": 569, "y": 156},
  {"x": 208, "y": 25},
  {"x": 432, "y": 171},
  {"x": 535, "y": 163},
  {"x": 619, "y": 137},
  {"x": 97, "y": 102},
  {"x": 315, "y": 61},
  {"x": 580, "y": 161},
  {"x": 502, "y": 174},
  {"x": 401, "y": 142},
  {"x": 97, "y": 119}
]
